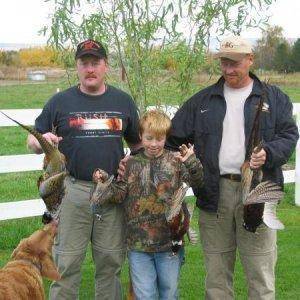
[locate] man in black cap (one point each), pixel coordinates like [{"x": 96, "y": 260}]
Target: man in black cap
[{"x": 91, "y": 120}]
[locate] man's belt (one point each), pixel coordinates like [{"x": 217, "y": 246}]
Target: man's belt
[{"x": 233, "y": 177}]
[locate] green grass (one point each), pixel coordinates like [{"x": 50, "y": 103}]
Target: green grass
[
  {"x": 35, "y": 95},
  {"x": 13, "y": 140},
  {"x": 292, "y": 92},
  {"x": 19, "y": 186},
  {"x": 289, "y": 197},
  {"x": 28, "y": 95},
  {"x": 192, "y": 274}
]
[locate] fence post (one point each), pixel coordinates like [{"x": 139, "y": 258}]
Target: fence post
[{"x": 297, "y": 166}]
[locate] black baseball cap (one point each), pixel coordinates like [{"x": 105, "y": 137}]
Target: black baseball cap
[{"x": 90, "y": 47}]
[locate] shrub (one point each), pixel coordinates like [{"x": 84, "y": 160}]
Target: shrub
[
  {"x": 9, "y": 58},
  {"x": 38, "y": 57}
]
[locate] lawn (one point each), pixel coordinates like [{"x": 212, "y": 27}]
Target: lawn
[
  {"x": 28, "y": 95},
  {"x": 293, "y": 93},
  {"x": 19, "y": 186},
  {"x": 192, "y": 276}
]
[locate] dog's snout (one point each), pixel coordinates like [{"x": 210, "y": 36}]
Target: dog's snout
[{"x": 51, "y": 227}]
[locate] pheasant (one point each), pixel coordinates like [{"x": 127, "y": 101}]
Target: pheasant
[
  {"x": 259, "y": 197},
  {"x": 50, "y": 183}
]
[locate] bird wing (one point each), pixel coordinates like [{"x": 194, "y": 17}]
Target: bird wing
[
  {"x": 101, "y": 191},
  {"x": 174, "y": 209},
  {"x": 266, "y": 191}
]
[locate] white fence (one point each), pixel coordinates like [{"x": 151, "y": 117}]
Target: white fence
[{"x": 32, "y": 162}]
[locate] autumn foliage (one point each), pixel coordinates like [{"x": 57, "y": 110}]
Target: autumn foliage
[{"x": 38, "y": 56}]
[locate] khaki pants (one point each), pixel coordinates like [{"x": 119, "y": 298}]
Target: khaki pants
[
  {"x": 221, "y": 234},
  {"x": 77, "y": 227}
]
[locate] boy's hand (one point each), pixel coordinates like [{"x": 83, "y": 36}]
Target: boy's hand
[
  {"x": 122, "y": 167},
  {"x": 100, "y": 176},
  {"x": 185, "y": 152}
]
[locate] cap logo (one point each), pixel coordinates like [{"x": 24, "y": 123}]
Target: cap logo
[
  {"x": 228, "y": 45},
  {"x": 89, "y": 45}
]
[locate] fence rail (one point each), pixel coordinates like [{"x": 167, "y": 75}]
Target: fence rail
[
  {"x": 33, "y": 162},
  {"x": 24, "y": 116}
]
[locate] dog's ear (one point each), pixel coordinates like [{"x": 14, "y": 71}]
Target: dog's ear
[
  {"x": 15, "y": 252},
  {"x": 18, "y": 249},
  {"x": 49, "y": 269}
]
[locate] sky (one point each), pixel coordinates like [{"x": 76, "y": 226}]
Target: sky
[{"x": 21, "y": 20}]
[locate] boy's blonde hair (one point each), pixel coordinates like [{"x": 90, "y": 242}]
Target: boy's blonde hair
[{"x": 155, "y": 121}]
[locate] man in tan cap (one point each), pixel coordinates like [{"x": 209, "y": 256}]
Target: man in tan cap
[{"x": 218, "y": 121}]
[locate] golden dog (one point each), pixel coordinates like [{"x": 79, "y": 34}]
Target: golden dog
[{"x": 21, "y": 277}]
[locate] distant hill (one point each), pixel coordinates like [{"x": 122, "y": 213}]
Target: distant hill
[{"x": 17, "y": 46}]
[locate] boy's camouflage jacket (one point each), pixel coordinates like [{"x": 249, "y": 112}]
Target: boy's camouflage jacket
[{"x": 147, "y": 191}]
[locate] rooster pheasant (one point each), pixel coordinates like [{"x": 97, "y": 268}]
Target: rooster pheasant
[
  {"x": 50, "y": 183},
  {"x": 259, "y": 197}
]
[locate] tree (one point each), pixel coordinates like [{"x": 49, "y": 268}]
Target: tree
[
  {"x": 295, "y": 57},
  {"x": 9, "y": 58},
  {"x": 282, "y": 58},
  {"x": 265, "y": 48},
  {"x": 133, "y": 30}
]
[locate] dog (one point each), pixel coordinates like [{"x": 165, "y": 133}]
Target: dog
[{"x": 21, "y": 277}]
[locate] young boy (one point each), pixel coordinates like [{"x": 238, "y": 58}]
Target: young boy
[{"x": 152, "y": 191}]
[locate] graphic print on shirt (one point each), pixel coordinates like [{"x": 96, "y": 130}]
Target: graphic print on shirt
[{"x": 95, "y": 124}]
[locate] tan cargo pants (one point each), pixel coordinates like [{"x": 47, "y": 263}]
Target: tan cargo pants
[
  {"x": 221, "y": 234},
  {"x": 77, "y": 227}
]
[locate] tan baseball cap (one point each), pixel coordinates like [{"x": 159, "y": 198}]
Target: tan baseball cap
[{"x": 234, "y": 48}]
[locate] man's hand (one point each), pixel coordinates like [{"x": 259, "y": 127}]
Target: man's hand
[
  {"x": 34, "y": 145},
  {"x": 258, "y": 159},
  {"x": 123, "y": 161},
  {"x": 52, "y": 138},
  {"x": 184, "y": 152}
]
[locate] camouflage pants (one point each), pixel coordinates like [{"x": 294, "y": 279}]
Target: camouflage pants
[
  {"x": 221, "y": 234},
  {"x": 77, "y": 227}
]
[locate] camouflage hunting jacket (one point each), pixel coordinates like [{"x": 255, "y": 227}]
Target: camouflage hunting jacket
[{"x": 147, "y": 191}]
